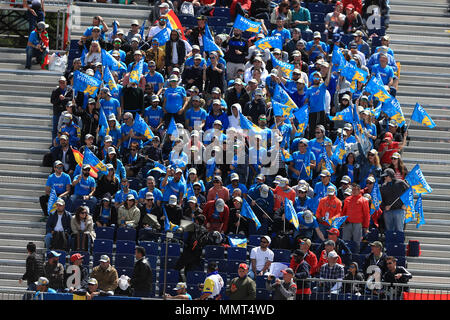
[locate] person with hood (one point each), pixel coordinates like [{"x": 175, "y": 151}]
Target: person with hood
[
  {"x": 355, "y": 275},
  {"x": 105, "y": 214},
  {"x": 234, "y": 119}
]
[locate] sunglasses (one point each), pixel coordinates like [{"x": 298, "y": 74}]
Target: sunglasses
[{"x": 263, "y": 241}]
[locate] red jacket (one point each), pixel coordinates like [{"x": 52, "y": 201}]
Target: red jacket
[
  {"x": 222, "y": 218},
  {"x": 245, "y": 4},
  {"x": 356, "y": 3},
  {"x": 323, "y": 259},
  {"x": 356, "y": 208},
  {"x": 311, "y": 258},
  {"x": 332, "y": 205}
]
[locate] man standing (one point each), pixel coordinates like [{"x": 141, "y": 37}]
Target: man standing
[
  {"x": 356, "y": 208},
  {"x": 106, "y": 275},
  {"x": 61, "y": 95},
  {"x": 242, "y": 287},
  {"x": 34, "y": 266},
  {"x": 331, "y": 270},
  {"x": 329, "y": 207},
  {"x": 261, "y": 258},
  {"x": 393, "y": 208},
  {"x": 236, "y": 51},
  {"x": 142, "y": 278},
  {"x": 84, "y": 188},
  {"x": 284, "y": 289}
]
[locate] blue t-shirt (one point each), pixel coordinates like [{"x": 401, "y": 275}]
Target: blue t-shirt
[
  {"x": 88, "y": 32},
  {"x": 157, "y": 194},
  {"x": 315, "y": 52},
  {"x": 321, "y": 191},
  {"x": 190, "y": 188},
  {"x": 173, "y": 188},
  {"x": 299, "y": 207},
  {"x": 153, "y": 115},
  {"x": 105, "y": 215},
  {"x": 317, "y": 147},
  {"x": 34, "y": 38},
  {"x": 124, "y": 130},
  {"x": 304, "y": 225},
  {"x": 190, "y": 62},
  {"x": 111, "y": 106},
  {"x": 121, "y": 196},
  {"x": 193, "y": 116},
  {"x": 316, "y": 97},
  {"x": 83, "y": 188},
  {"x": 385, "y": 73},
  {"x": 59, "y": 183},
  {"x": 117, "y": 94},
  {"x": 286, "y": 130},
  {"x": 240, "y": 186},
  {"x": 174, "y": 99},
  {"x": 301, "y": 162},
  {"x": 157, "y": 80},
  {"x": 284, "y": 33},
  {"x": 123, "y": 54}
]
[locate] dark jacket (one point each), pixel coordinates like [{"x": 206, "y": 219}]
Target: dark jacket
[
  {"x": 246, "y": 289},
  {"x": 55, "y": 275},
  {"x": 236, "y": 44},
  {"x": 358, "y": 276},
  {"x": 98, "y": 211},
  {"x": 142, "y": 276},
  {"x": 57, "y": 154},
  {"x": 90, "y": 124},
  {"x": 174, "y": 213},
  {"x": 232, "y": 98},
  {"x": 60, "y": 105},
  {"x": 34, "y": 268},
  {"x": 53, "y": 220},
  {"x": 181, "y": 51},
  {"x": 193, "y": 73},
  {"x": 84, "y": 277},
  {"x": 302, "y": 271},
  {"x": 135, "y": 165},
  {"x": 370, "y": 260},
  {"x": 133, "y": 99},
  {"x": 147, "y": 219},
  {"x": 390, "y": 193},
  {"x": 282, "y": 291},
  {"x": 215, "y": 78}
]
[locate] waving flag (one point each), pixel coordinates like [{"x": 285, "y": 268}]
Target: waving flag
[
  {"x": 277, "y": 108},
  {"x": 210, "y": 168},
  {"x": 238, "y": 242},
  {"x": 338, "y": 59},
  {"x": 175, "y": 23},
  {"x": 209, "y": 44},
  {"x": 286, "y": 156},
  {"x": 269, "y": 42},
  {"x": 377, "y": 90},
  {"x": 281, "y": 96},
  {"x": 51, "y": 206},
  {"x": 142, "y": 31},
  {"x": 158, "y": 167},
  {"x": 109, "y": 61},
  {"x": 327, "y": 162},
  {"x": 136, "y": 73},
  {"x": 163, "y": 36},
  {"x": 393, "y": 109},
  {"x": 421, "y": 116},
  {"x": 376, "y": 195},
  {"x": 285, "y": 67},
  {"x": 419, "y": 209},
  {"x": 366, "y": 144},
  {"x": 168, "y": 226},
  {"x": 337, "y": 222},
  {"x": 290, "y": 214},
  {"x": 79, "y": 158},
  {"x": 416, "y": 180},
  {"x": 141, "y": 126},
  {"x": 339, "y": 152},
  {"x": 93, "y": 161},
  {"x": 245, "y": 24},
  {"x": 103, "y": 123},
  {"x": 353, "y": 73},
  {"x": 376, "y": 111},
  {"x": 345, "y": 115},
  {"x": 172, "y": 128},
  {"x": 114, "y": 32},
  {"x": 248, "y": 125},
  {"x": 302, "y": 115},
  {"x": 408, "y": 200},
  {"x": 247, "y": 212},
  {"x": 85, "y": 83},
  {"x": 109, "y": 81}
]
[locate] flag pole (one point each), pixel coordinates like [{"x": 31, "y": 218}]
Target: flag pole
[{"x": 260, "y": 208}]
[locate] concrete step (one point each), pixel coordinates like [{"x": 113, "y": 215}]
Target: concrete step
[
  {"x": 36, "y": 134},
  {"x": 428, "y": 228},
  {"x": 428, "y": 272},
  {"x": 38, "y": 100},
  {"x": 25, "y": 144},
  {"x": 25, "y": 168},
  {"x": 13, "y": 285},
  {"x": 26, "y": 121},
  {"x": 18, "y": 217},
  {"x": 22, "y": 230},
  {"x": 420, "y": 3},
  {"x": 21, "y": 192},
  {"x": 21, "y": 243},
  {"x": 423, "y": 21},
  {"x": 432, "y": 261},
  {"x": 395, "y": 29},
  {"x": 27, "y": 111},
  {"x": 421, "y": 60}
]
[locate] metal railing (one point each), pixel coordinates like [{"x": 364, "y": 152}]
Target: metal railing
[
  {"x": 50, "y": 3},
  {"x": 335, "y": 289}
]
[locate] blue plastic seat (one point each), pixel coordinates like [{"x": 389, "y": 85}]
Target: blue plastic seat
[
  {"x": 317, "y": 27},
  {"x": 396, "y": 249},
  {"x": 125, "y": 271},
  {"x": 151, "y": 248},
  {"x": 254, "y": 240},
  {"x": 171, "y": 277},
  {"x": 103, "y": 245},
  {"x": 351, "y": 245},
  {"x": 153, "y": 260},
  {"x": 394, "y": 237},
  {"x": 260, "y": 282},
  {"x": 262, "y": 294},
  {"x": 195, "y": 277},
  {"x": 401, "y": 261},
  {"x": 233, "y": 266},
  {"x": 222, "y": 12},
  {"x": 125, "y": 246},
  {"x": 221, "y": 263},
  {"x": 194, "y": 291},
  {"x": 104, "y": 233},
  {"x": 317, "y": 7},
  {"x": 317, "y": 17},
  {"x": 218, "y": 21},
  {"x": 171, "y": 262},
  {"x": 173, "y": 249},
  {"x": 124, "y": 261},
  {"x": 281, "y": 255},
  {"x": 236, "y": 253},
  {"x": 126, "y": 234},
  {"x": 214, "y": 252}
]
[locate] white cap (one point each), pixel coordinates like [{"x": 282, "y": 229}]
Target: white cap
[{"x": 173, "y": 200}]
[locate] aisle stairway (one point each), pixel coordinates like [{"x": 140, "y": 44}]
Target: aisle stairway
[
  {"x": 25, "y": 124},
  {"x": 420, "y": 42}
]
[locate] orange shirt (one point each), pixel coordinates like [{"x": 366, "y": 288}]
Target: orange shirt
[
  {"x": 279, "y": 195},
  {"x": 356, "y": 208},
  {"x": 332, "y": 205}
]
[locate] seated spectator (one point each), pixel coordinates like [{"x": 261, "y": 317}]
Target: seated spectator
[
  {"x": 237, "y": 224},
  {"x": 173, "y": 185},
  {"x": 107, "y": 184},
  {"x": 353, "y": 20},
  {"x": 54, "y": 272},
  {"x": 35, "y": 46},
  {"x": 396, "y": 274},
  {"x": 334, "y": 21},
  {"x": 377, "y": 258},
  {"x": 60, "y": 182},
  {"x": 84, "y": 189},
  {"x": 120, "y": 197},
  {"x": 106, "y": 275},
  {"x": 217, "y": 215},
  {"x": 82, "y": 226},
  {"x": 388, "y": 147},
  {"x": 128, "y": 214},
  {"x": 218, "y": 190},
  {"x": 261, "y": 258},
  {"x": 331, "y": 270},
  {"x": 355, "y": 275},
  {"x": 330, "y": 207},
  {"x": 105, "y": 214},
  {"x": 133, "y": 161},
  {"x": 324, "y": 249},
  {"x": 77, "y": 260},
  {"x": 284, "y": 289},
  {"x": 58, "y": 229}
]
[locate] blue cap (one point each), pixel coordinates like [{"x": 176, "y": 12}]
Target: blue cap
[{"x": 53, "y": 254}]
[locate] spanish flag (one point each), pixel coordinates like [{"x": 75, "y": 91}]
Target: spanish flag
[
  {"x": 175, "y": 23},
  {"x": 79, "y": 159}
]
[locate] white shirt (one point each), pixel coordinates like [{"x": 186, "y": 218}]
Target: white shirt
[
  {"x": 261, "y": 257},
  {"x": 59, "y": 226}
]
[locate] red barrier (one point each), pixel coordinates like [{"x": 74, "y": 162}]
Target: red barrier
[{"x": 425, "y": 296}]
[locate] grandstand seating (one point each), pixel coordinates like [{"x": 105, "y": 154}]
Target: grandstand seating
[
  {"x": 151, "y": 248},
  {"x": 126, "y": 234},
  {"x": 103, "y": 245},
  {"x": 104, "y": 233},
  {"x": 214, "y": 252},
  {"x": 125, "y": 246},
  {"x": 124, "y": 261},
  {"x": 236, "y": 253}
]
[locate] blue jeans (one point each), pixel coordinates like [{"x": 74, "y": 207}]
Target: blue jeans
[
  {"x": 394, "y": 219},
  {"x": 32, "y": 52}
]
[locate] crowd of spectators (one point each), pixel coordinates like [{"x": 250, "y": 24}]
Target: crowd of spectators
[{"x": 206, "y": 95}]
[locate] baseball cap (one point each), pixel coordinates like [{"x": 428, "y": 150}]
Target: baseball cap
[
  {"x": 325, "y": 173},
  {"x": 330, "y": 191},
  {"x": 75, "y": 257},
  {"x": 234, "y": 176},
  {"x": 304, "y": 141},
  {"x": 92, "y": 281},
  {"x": 57, "y": 163},
  {"x": 243, "y": 266},
  {"x": 317, "y": 34},
  {"x": 396, "y": 155},
  {"x": 180, "y": 285},
  {"x": 392, "y": 123},
  {"x": 173, "y": 78},
  {"x": 308, "y": 216},
  {"x": 332, "y": 254},
  {"x": 86, "y": 166},
  {"x": 348, "y": 191},
  {"x": 192, "y": 199},
  {"x": 134, "y": 21},
  {"x": 53, "y": 254},
  {"x": 42, "y": 281},
  {"x": 108, "y": 138},
  {"x": 198, "y": 56},
  {"x": 215, "y": 90},
  {"x": 238, "y": 199},
  {"x": 173, "y": 200},
  {"x": 388, "y": 172},
  {"x": 376, "y": 244},
  {"x": 217, "y": 122},
  {"x": 267, "y": 238},
  {"x": 306, "y": 241},
  {"x": 288, "y": 271},
  {"x": 260, "y": 177},
  {"x": 346, "y": 179},
  {"x": 264, "y": 191},
  {"x": 178, "y": 170},
  {"x": 164, "y": 5},
  {"x": 346, "y": 96},
  {"x": 111, "y": 150},
  {"x": 149, "y": 195},
  {"x": 259, "y": 91},
  {"x": 371, "y": 179},
  {"x": 130, "y": 197},
  {"x": 220, "y": 205},
  {"x": 60, "y": 201}
]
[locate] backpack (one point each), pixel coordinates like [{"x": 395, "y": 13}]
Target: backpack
[
  {"x": 47, "y": 161},
  {"x": 281, "y": 241},
  {"x": 59, "y": 241}
]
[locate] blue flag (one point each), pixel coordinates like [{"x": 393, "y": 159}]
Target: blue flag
[
  {"x": 169, "y": 226},
  {"x": 109, "y": 61},
  {"x": 142, "y": 31},
  {"x": 209, "y": 44},
  {"x": 136, "y": 73},
  {"x": 419, "y": 209},
  {"x": 285, "y": 155},
  {"x": 285, "y": 67},
  {"x": 103, "y": 123},
  {"x": 345, "y": 115},
  {"x": 114, "y": 32},
  {"x": 353, "y": 73},
  {"x": 302, "y": 115},
  {"x": 393, "y": 109},
  {"x": 416, "y": 180},
  {"x": 245, "y": 24},
  {"x": 238, "y": 242},
  {"x": 327, "y": 162},
  {"x": 141, "y": 127},
  {"x": 51, "y": 206},
  {"x": 376, "y": 111},
  {"x": 376, "y": 195},
  {"x": 290, "y": 214},
  {"x": 338, "y": 221},
  {"x": 269, "y": 43},
  {"x": 248, "y": 125},
  {"x": 85, "y": 83},
  {"x": 247, "y": 212},
  {"x": 281, "y": 96},
  {"x": 339, "y": 152},
  {"x": 377, "y": 90},
  {"x": 90, "y": 159},
  {"x": 109, "y": 81},
  {"x": 421, "y": 116},
  {"x": 408, "y": 200},
  {"x": 163, "y": 36},
  {"x": 159, "y": 168},
  {"x": 210, "y": 168},
  {"x": 172, "y": 128},
  {"x": 338, "y": 59}
]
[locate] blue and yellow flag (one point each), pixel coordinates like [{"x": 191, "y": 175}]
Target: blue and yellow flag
[
  {"x": 419, "y": 209},
  {"x": 337, "y": 222},
  {"x": 302, "y": 115},
  {"x": 416, "y": 180},
  {"x": 209, "y": 44},
  {"x": 290, "y": 214},
  {"x": 247, "y": 25},
  {"x": 377, "y": 90},
  {"x": 169, "y": 226},
  {"x": 85, "y": 83},
  {"x": 90, "y": 159},
  {"x": 421, "y": 116},
  {"x": 285, "y": 67},
  {"x": 338, "y": 59},
  {"x": 51, "y": 206},
  {"x": 136, "y": 73},
  {"x": 285, "y": 155},
  {"x": 248, "y": 125},
  {"x": 210, "y": 168},
  {"x": 163, "y": 36},
  {"x": 277, "y": 108},
  {"x": 114, "y": 32},
  {"x": 141, "y": 127},
  {"x": 158, "y": 167},
  {"x": 238, "y": 242},
  {"x": 339, "y": 152},
  {"x": 269, "y": 43},
  {"x": 353, "y": 74},
  {"x": 345, "y": 115},
  {"x": 408, "y": 200},
  {"x": 376, "y": 195},
  {"x": 327, "y": 162},
  {"x": 247, "y": 212},
  {"x": 109, "y": 61},
  {"x": 103, "y": 123},
  {"x": 376, "y": 111},
  {"x": 281, "y": 96},
  {"x": 109, "y": 81},
  {"x": 172, "y": 128},
  {"x": 393, "y": 109}
]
